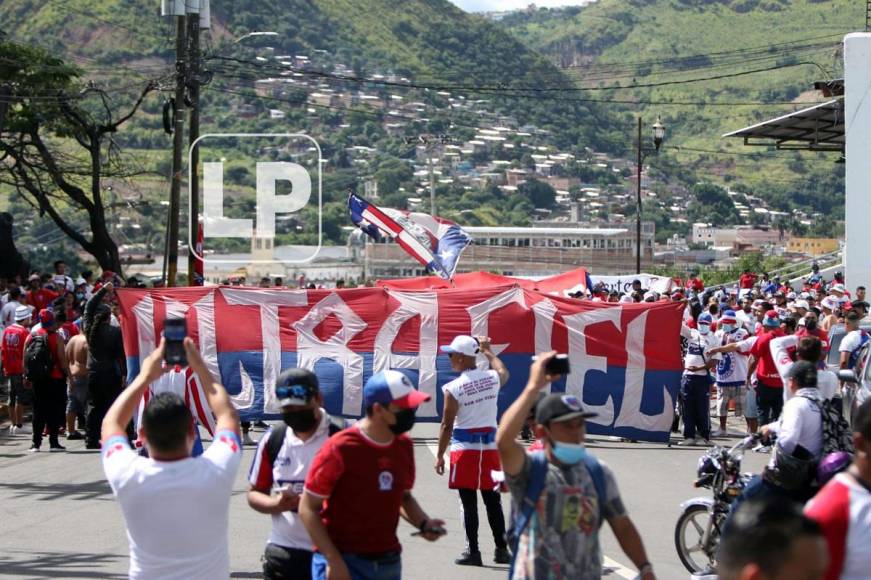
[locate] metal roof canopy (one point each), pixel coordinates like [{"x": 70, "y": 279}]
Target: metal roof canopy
[{"x": 817, "y": 128}]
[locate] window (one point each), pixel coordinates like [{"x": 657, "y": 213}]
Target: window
[{"x": 257, "y": 243}]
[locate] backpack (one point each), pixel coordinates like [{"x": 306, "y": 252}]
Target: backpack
[
  {"x": 537, "y": 480},
  {"x": 278, "y": 432},
  {"x": 837, "y": 435},
  {"x": 37, "y": 358}
]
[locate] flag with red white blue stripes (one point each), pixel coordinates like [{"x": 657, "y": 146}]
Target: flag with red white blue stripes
[{"x": 434, "y": 242}]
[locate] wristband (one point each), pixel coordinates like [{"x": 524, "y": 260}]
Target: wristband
[
  {"x": 423, "y": 524},
  {"x": 645, "y": 568}
]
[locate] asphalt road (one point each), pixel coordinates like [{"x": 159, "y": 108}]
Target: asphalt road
[{"x": 59, "y": 519}]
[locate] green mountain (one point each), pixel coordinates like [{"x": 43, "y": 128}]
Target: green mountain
[{"x": 708, "y": 67}]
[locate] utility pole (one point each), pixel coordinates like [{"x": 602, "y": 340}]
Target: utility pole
[
  {"x": 638, "y": 204},
  {"x": 177, "y": 146},
  {"x": 432, "y": 203},
  {"x": 429, "y": 143},
  {"x": 194, "y": 186}
]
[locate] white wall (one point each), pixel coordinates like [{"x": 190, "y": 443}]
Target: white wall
[{"x": 857, "y": 111}]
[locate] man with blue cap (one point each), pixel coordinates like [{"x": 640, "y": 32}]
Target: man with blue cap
[{"x": 360, "y": 483}]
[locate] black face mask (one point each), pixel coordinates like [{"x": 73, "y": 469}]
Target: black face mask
[
  {"x": 810, "y": 324},
  {"x": 404, "y": 421},
  {"x": 300, "y": 421}
]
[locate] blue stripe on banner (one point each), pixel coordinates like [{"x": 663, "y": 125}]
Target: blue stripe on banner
[{"x": 598, "y": 387}]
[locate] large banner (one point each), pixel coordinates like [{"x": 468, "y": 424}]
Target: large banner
[
  {"x": 625, "y": 359},
  {"x": 623, "y": 284}
]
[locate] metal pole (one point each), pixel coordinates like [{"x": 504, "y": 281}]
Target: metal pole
[
  {"x": 194, "y": 185},
  {"x": 638, "y": 207},
  {"x": 432, "y": 203},
  {"x": 177, "y": 145}
]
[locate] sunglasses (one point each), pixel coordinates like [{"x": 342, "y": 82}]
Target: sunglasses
[{"x": 293, "y": 392}]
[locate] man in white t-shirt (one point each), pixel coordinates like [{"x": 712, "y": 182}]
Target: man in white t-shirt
[
  {"x": 807, "y": 348},
  {"x": 696, "y": 381},
  {"x": 281, "y": 464},
  {"x": 469, "y": 424},
  {"x": 7, "y": 313},
  {"x": 176, "y": 507},
  {"x": 852, "y": 343}
]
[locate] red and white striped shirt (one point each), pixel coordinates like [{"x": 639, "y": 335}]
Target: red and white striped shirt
[{"x": 843, "y": 510}]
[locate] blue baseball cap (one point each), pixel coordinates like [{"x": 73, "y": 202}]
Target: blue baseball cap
[
  {"x": 705, "y": 319},
  {"x": 394, "y": 387}
]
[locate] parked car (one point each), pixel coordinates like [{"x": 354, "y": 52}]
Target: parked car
[{"x": 857, "y": 382}]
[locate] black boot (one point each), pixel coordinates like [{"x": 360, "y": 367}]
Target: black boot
[{"x": 469, "y": 559}]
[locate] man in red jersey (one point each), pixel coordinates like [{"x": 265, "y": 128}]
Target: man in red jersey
[
  {"x": 769, "y": 392},
  {"x": 843, "y": 508},
  {"x": 360, "y": 483},
  {"x": 50, "y": 390},
  {"x": 12, "y": 354}
]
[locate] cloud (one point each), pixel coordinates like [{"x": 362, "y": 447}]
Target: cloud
[{"x": 501, "y": 5}]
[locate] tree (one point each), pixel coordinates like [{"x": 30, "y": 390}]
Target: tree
[
  {"x": 57, "y": 144},
  {"x": 541, "y": 194}
]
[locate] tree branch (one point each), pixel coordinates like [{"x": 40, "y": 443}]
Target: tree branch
[{"x": 112, "y": 127}]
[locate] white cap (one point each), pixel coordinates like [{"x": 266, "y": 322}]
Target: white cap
[
  {"x": 838, "y": 288},
  {"x": 626, "y": 299},
  {"x": 81, "y": 281},
  {"x": 801, "y": 304},
  {"x": 462, "y": 344},
  {"x": 790, "y": 296},
  {"x": 829, "y": 303},
  {"x": 22, "y": 313}
]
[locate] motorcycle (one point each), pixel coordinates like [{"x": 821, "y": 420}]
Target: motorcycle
[{"x": 698, "y": 529}]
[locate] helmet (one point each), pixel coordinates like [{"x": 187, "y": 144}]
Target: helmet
[{"x": 831, "y": 465}]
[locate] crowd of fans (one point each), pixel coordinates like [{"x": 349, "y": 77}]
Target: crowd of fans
[{"x": 335, "y": 492}]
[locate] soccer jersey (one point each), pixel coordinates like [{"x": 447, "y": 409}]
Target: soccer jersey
[
  {"x": 12, "y": 349},
  {"x": 362, "y": 483},
  {"x": 475, "y": 460},
  {"x": 290, "y": 468},
  {"x": 732, "y": 368},
  {"x": 843, "y": 510}
]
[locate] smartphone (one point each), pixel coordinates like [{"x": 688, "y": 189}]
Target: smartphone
[
  {"x": 558, "y": 365},
  {"x": 175, "y": 330}
]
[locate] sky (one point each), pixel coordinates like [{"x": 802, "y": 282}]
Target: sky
[{"x": 501, "y": 5}]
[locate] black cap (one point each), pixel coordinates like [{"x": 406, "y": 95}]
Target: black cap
[
  {"x": 296, "y": 387},
  {"x": 559, "y": 407},
  {"x": 804, "y": 372}
]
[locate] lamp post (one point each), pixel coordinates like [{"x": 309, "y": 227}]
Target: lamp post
[{"x": 658, "y": 136}]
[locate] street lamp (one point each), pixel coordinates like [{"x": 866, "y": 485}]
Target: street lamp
[
  {"x": 658, "y": 136},
  {"x": 250, "y": 34}
]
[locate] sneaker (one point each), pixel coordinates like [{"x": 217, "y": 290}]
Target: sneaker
[
  {"x": 246, "y": 440},
  {"x": 706, "y": 443},
  {"x": 34, "y": 448},
  {"x": 469, "y": 559},
  {"x": 13, "y": 429},
  {"x": 262, "y": 425},
  {"x": 24, "y": 430},
  {"x": 720, "y": 433},
  {"x": 503, "y": 556},
  {"x": 56, "y": 447},
  {"x": 688, "y": 442},
  {"x": 75, "y": 436}
]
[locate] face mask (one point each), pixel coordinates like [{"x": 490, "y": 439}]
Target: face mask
[
  {"x": 404, "y": 421},
  {"x": 728, "y": 328},
  {"x": 300, "y": 421},
  {"x": 568, "y": 453},
  {"x": 704, "y": 329},
  {"x": 810, "y": 324},
  {"x": 80, "y": 296}
]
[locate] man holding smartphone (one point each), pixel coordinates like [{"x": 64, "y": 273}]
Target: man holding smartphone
[
  {"x": 176, "y": 507},
  {"x": 469, "y": 425},
  {"x": 281, "y": 463}
]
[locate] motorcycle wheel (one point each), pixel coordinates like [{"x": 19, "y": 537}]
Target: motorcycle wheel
[{"x": 688, "y": 535}]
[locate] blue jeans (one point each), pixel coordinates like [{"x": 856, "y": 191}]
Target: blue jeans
[
  {"x": 696, "y": 393},
  {"x": 386, "y": 568}
]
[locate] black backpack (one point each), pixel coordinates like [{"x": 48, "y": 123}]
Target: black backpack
[
  {"x": 37, "y": 358},
  {"x": 276, "y": 436}
]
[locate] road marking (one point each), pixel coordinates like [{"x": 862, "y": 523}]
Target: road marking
[
  {"x": 611, "y": 567},
  {"x": 620, "y": 570}
]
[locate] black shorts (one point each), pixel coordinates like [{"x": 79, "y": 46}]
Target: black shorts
[{"x": 18, "y": 393}]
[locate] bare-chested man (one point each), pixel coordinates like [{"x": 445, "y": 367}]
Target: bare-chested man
[{"x": 77, "y": 388}]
